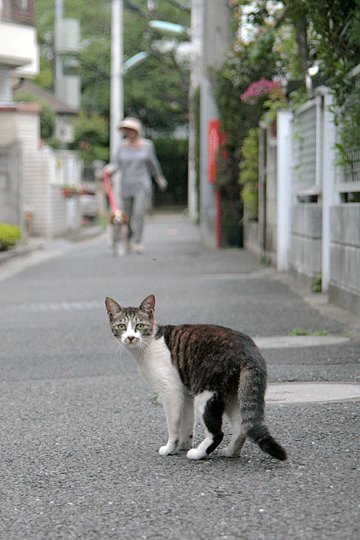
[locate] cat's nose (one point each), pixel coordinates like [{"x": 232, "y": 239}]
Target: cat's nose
[{"x": 130, "y": 338}]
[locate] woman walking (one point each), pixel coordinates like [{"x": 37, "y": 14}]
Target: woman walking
[{"x": 137, "y": 162}]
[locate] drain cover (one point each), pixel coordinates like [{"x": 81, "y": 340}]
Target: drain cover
[{"x": 309, "y": 392}]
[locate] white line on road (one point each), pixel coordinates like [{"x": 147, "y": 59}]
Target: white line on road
[{"x": 312, "y": 392}]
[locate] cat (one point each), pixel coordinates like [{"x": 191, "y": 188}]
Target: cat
[{"x": 219, "y": 369}]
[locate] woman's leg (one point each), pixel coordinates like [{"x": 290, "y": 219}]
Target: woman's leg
[{"x": 138, "y": 214}]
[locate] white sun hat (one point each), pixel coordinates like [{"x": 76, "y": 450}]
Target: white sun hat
[{"x": 131, "y": 123}]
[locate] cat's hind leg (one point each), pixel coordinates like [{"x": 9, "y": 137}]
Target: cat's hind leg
[
  {"x": 211, "y": 409},
  {"x": 187, "y": 424},
  {"x": 232, "y": 411}
]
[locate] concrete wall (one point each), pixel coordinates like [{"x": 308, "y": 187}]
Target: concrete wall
[
  {"x": 261, "y": 238},
  {"x": 344, "y": 287},
  {"x": 305, "y": 240},
  {"x": 251, "y": 237},
  {"x": 11, "y": 185}
]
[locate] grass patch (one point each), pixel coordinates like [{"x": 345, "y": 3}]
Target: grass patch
[
  {"x": 316, "y": 285},
  {"x": 305, "y": 332}
]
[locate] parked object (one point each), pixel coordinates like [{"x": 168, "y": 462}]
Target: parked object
[{"x": 88, "y": 206}]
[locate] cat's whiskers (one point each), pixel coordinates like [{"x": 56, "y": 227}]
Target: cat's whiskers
[
  {"x": 114, "y": 346},
  {"x": 144, "y": 346}
]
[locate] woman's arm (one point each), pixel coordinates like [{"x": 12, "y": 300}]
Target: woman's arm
[{"x": 155, "y": 168}]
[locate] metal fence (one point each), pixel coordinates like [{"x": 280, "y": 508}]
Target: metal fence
[
  {"x": 307, "y": 148},
  {"x": 348, "y": 173}
]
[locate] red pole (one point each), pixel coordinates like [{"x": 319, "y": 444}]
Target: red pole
[
  {"x": 218, "y": 217},
  {"x": 109, "y": 192}
]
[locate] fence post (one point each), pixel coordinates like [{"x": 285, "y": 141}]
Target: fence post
[
  {"x": 328, "y": 173},
  {"x": 284, "y": 187}
]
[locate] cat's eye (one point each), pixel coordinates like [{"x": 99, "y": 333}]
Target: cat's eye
[
  {"x": 121, "y": 327},
  {"x": 140, "y": 326}
]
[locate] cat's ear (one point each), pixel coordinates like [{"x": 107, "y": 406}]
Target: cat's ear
[
  {"x": 112, "y": 307},
  {"x": 148, "y": 304}
]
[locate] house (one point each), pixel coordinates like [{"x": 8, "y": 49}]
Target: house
[
  {"x": 32, "y": 175},
  {"x": 19, "y": 56},
  {"x": 65, "y": 114}
]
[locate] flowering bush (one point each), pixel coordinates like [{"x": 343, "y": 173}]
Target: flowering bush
[{"x": 260, "y": 89}]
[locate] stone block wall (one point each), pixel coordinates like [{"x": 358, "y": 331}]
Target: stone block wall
[
  {"x": 344, "y": 289},
  {"x": 306, "y": 240}
]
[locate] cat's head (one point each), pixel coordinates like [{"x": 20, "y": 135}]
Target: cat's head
[{"x": 132, "y": 326}]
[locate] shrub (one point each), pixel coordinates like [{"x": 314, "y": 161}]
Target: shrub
[
  {"x": 173, "y": 157},
  {"x": 9, "y": 235},
  {"x": 249, "y": 173}
]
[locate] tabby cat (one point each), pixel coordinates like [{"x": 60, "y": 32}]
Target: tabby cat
[{"x": 219, "y": 369}]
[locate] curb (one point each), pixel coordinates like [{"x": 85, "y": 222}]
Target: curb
[
  {"x": 33, "y": 244},
  {"x": 18, "y": 252}
]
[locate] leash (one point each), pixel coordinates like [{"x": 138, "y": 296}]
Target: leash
[{"x": 109, "y": 192}]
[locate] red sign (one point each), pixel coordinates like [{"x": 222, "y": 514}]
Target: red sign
[{"x": 215, "y": 139}]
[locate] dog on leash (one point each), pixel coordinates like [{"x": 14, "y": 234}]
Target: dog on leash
[{"x": 119, "y": 232}]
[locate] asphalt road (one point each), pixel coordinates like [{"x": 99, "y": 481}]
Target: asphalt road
[{"x": 80, "y": 428}]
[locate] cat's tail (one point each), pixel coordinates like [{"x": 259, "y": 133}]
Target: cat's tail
[{"x": 252, "y": 406}]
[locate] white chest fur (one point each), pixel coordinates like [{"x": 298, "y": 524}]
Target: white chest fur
[{"x": 156, "y": 366}]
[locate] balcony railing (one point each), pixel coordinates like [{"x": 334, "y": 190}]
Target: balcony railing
[{"x": 19, "y": 11}]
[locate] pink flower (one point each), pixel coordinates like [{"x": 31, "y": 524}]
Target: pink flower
[{"x": 259, "y": 89}]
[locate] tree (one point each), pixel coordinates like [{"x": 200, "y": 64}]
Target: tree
[{"x": 156, "y": 90}]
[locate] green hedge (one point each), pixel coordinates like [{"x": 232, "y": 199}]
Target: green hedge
[
  {"x": 173, "y": 157},
  {"x": 9, "y": 235}
]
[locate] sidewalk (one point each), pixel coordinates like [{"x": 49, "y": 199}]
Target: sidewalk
[
  {"x": 32, "y": 244},
  {"x": 34, "y": 250}
]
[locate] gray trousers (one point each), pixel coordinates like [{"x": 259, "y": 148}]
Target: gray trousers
[{"x": 135, "y": 207}]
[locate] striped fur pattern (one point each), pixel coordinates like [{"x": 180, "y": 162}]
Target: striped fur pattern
[{"x": 214, "y": 370}]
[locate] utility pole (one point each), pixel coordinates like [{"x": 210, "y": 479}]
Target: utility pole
[
  {"x": 117, "y": 90},
  {"x": 59, "y": 15}
]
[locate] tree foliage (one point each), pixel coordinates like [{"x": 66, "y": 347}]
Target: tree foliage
[
  {"x": 246, "y": 62},
  {"x": 156, "y": 90},
  {"x": 249, "y": 172},
  {"x": 92, "y": 137},
  {"x": 336, "y": 36},
  {"x": 335, "y": 32},
  {"x": 285, "y": 38}
]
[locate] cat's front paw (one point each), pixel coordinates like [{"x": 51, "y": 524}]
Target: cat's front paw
[
  {"x": 195, "y": 453},
  {"x": 167, "y": 449}
]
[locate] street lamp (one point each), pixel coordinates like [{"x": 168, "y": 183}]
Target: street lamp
[
  {"x": 134, "y": 60},
  {"x": 168, "y": 27}
]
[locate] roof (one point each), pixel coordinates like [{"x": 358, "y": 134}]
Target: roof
[{"x": 45, "y": 96}]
